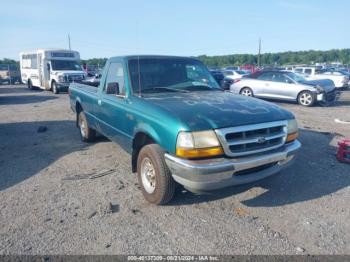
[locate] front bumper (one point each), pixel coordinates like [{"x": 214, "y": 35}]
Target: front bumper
[
  {"x": 211, "y": 174},
  {"x": 328, "y": 98},
  {"x": 63, "y": 86}
]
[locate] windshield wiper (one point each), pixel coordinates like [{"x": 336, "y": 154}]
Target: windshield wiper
[
  {"x": 202, "y": 87},
  {"x": 162, "y": 88}
]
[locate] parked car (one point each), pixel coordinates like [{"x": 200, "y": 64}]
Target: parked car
[
  {"x": 10, "y": 74},
  {"x": 234, "y": 74},
  {"x": 218, "y": 76},
  {"x": 180, "y": 127},
  {"x": 93, "y": 80},
  {"x": 312, "y": 73},
  {"x": 231, "y": 68},
  {"x": 285, "y": 85}
]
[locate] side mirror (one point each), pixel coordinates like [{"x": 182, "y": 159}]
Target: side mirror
[
  {"x": 112, "y": 88},
  {"x": 48, "y": 67}
]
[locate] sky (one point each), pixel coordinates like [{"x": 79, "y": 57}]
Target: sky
[{"x": 179, "y": 27}]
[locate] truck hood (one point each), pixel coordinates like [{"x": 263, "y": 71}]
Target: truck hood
[
  {"x": 326, "y": 84},
  {"x": 215, "y": 109}
]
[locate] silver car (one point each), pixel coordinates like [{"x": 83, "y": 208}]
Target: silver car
[{"x": 285, "y": 85}]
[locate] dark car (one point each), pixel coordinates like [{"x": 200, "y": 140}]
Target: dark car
[{"x": 218, "y": 76}]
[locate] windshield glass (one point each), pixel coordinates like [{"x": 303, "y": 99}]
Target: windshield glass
[
  {"x": 59, "y": 65},
  {"x": 170, "y": 74},
  {"x": 296, "y": 77}
]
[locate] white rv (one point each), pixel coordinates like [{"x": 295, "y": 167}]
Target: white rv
[{"x": 51, "y": 69}]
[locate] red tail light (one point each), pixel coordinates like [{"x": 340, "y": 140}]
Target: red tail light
[{"x": 236, "y": 80}]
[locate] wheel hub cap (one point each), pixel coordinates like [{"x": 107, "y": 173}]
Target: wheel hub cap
[
  {"x": 306, "y": 99},
  {"x": 148, "y": 175},
  {"x": 82, "y": 128}
]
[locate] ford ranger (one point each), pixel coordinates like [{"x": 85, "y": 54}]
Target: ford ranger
[{"x": 179, "y": 127}]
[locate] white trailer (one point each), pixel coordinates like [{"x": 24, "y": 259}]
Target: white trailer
[{"x": 51, "y": 69}]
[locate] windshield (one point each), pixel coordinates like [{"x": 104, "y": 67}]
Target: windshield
[
  {"x": 60, "y": 65},
  {"x": 169, "y": 75},
  {"x": 296, "y": 77}
]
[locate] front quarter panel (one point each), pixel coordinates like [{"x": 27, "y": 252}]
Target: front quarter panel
[{"x": 160, "y": 125}]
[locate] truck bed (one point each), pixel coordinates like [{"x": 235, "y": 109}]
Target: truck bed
[{"x": 84, "y": 87}]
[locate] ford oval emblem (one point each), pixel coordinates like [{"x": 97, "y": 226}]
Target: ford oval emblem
[{"x": 261, "y": 140}]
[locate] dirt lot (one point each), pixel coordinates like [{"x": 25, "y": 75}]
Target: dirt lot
[{"x": 52, "y": 200}]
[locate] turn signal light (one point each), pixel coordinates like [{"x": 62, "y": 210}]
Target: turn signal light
[
  {"x": 200, "y": 152},
  {"x": 292, "y": 137}
]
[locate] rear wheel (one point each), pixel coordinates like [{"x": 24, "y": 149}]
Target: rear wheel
[
  {"x": 157, "y": 184},
  {"x": 246, "y": 91},
  {"x": 87, "y": 134},
  {"x": 30, "y": 84},
  {"x": 54, "y": 87},
  {"x": 306, "y": 98}
]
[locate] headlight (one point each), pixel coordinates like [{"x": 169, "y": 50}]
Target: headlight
[
  {"x": 319, "y": 89},
  {"x": 198, "y": 144},
  {"x": 292, "y": 130},
  {"x": 61, "y": 79}
]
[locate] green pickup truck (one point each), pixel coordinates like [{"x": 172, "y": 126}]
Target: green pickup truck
[{"x": 181, "y": 128}]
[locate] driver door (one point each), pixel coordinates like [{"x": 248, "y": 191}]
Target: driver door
[
  {"x": 280, "y": 87},
  {"x": 111, "y": 108}
]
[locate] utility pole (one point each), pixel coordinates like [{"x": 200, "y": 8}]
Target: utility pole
[
  {"x": 69, "y": 42},
  {"x": 259, "y": 61}
]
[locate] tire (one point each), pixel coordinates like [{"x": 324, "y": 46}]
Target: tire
[
  {"x": 157, "y": 184},
  {"x": 246, "y": 91},
  {"x": 87, "y": 134},
  {"x": 54, "y": 88},
  {"x": 306, "y": 98},
  {"x": 30, "y": 84}
]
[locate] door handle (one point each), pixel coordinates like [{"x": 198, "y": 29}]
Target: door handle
[{"x": 99, "y": 102}]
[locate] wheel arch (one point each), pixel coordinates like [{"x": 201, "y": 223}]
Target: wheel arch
[
  {"x": 78, "y": 109},
  {"x": 240, "y": 90},
  {"x": 304, "y": 90},
  {"x": 140, "y": 139}
]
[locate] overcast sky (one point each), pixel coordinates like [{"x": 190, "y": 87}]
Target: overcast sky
[{"x": 177, "y": 27}]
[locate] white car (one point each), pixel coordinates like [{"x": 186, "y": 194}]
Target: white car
[
  {"x": 284, "y": 85},
  {"x": 234, "y": 74},
  {"x": 311, "y": 73}
]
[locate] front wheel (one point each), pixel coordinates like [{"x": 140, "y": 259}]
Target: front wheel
[
  {"x": 246, "y": 91},
  {"x": 54, "y": 88},
  {"x": 157, "y": 184},
  {"x": 306, "y": 98},
  {"x": 87, "y": 134}
]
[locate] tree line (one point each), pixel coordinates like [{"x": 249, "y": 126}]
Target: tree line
[
  {"x": 271, "y": 59},
  {"x": 278, "y": 59}
]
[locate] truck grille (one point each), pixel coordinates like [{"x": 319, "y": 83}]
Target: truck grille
[
  {"x": 251, "y": 139},
  {"x": 75, "y": 78}
]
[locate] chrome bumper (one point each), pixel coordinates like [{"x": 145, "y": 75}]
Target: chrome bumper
[{"x": 211, "y": 174}]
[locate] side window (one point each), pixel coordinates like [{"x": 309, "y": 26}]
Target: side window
[
  {"x": 308, "y": 71},
  {"x": 116, "y": 74},
  {"x": 265, "y": 76},
  {"x": 278, "y": 77},
  {"x": 298, "y": 70}
]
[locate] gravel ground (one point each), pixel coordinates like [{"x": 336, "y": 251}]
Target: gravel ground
[{"x": 61, "y": 196}]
